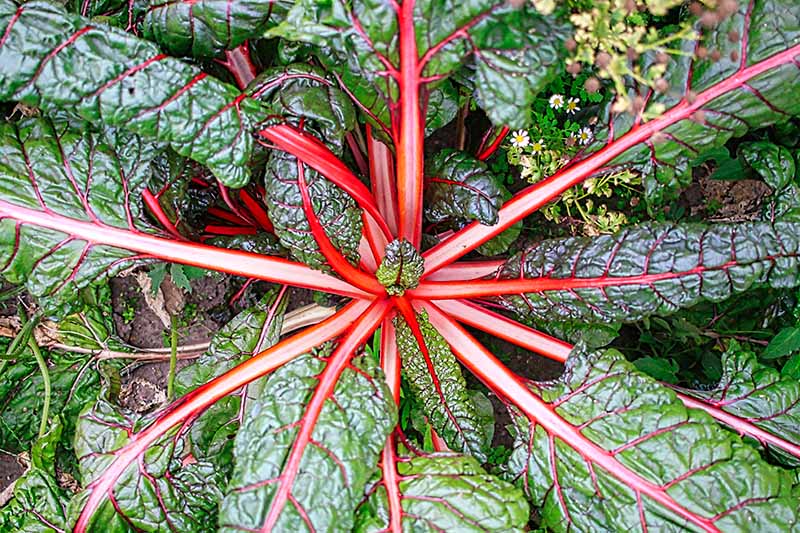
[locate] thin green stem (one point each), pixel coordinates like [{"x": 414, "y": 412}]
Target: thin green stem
[
  {"x": 173, "y": 357},
  {"x": 46, "y": 380}
]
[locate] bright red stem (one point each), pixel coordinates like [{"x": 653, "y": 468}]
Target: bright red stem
[
  {"x": 313, "y": 153},
  {"x": 154, "y": 206},
  {"x": 194, "y": 403},
  {"x": 362, "y": 328},
  {"x": 217, "y": 229},
  {"x": 255, "y": 209},
  {"x": 335, "y": 259},
  {"x": 539, "y": 194},
  {"x": 485, "y": 152}
]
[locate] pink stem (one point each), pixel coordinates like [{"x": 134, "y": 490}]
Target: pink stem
[
  {"x": 191, "y": 405},
  {"x": 505, "y": 328},
  {"x": 467, "y": 270},
  {"x": 336, "y": 260},
  {"x": 410, "y": 144},
  {"x": 382, "y": 178},
  {"x": 235, "y": 262},
  {"x": 539, "y": 194},
  {"x": 508, "y": 385},
  {"x": 240, "y": 65}
]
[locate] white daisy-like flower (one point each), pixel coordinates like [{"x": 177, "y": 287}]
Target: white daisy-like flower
[
  {"x": 538, "y": 146},
  {"x": 520, "y": 139},
  {"x": 557, "y": 101},
  {"x": 584, "y": 135},
  {"x": 572, "y": 105}
]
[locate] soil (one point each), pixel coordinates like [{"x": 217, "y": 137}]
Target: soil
[{"x": 10, "y": 469}]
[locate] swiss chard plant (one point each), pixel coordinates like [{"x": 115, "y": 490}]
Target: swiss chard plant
[{"x": 308, "y": 168}]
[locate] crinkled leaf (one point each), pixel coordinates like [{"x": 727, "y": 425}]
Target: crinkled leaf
[
  {"x": 773, "y": 162},
  {"x": 442, "y": 106},
  {"x": 166, "y": 490},
  {"x": 446, "y": 492},
  {"x": 652, "y": 268},
  {"x": 662, "y": 459},
  {"x": 63, "y": 169},
  {"x": 762, "y": 29},
  {"x": 73, "y": 384},
  {"x": 439, "y": 385},
  {"x": 38, "y": 504},
  {"x": 55, "y": 60},
  {"x": 461, "y": 187},
  {"x": 301, "y": 91},
  {"x": 120, "y": 13},
  {"x": 758, "y": 394},
  {"x": 336, "y": 210},
  {"x": 401, "y": 267},
  {"x": 515, "y": 50},
  {"x": 337, "y": 460},
  {"x": 250, "y": 332},
  {"x": 203, "y": 28}
]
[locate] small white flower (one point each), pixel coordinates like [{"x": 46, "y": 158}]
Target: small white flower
[
  {"x": 572, "y": 105},
  {"x": 538, "y": 147},
  {"x": 584, "y": 135},
  {"x": 520, "y": 139},
  {"x": 557, "y": 101}
]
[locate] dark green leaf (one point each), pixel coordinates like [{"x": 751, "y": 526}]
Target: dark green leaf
[
  {"x": 336, "y": 210},
  {"x": 203, "y": 28},
  {"x": 439, "y": 386},
  {"x": 758, "y": 394},
  {"x": 767, "y": 98},
  {"x": 401, "y": 267},
  {"x": 774, "y": 163},
  {"x": 250, "y": 332},
  {"x": 442, "y": 106},
  {"x": 461, "y": 187},
  {"x": 661, "y": 369},
  {"x": 100, "y": 181},
  {"x": 38, "y": 504},
  {"x": 650, "y": 438},
  {"x": 301, "y": 91},
  {"x": 55, "y": 60},
  {"x": 74, "y": 383},
  {"x": 446, "y": 492},
  {"x": 336, "y": 463},
  {"x": 166, "y": 490},
  {"x": 652, "y": 269},
  {"x": 784, "y": 343}
]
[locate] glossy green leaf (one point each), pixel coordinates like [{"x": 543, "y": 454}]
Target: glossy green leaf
[
  {"x": 91, "y": 184},
  {"x": 401, "y": 267},
  {"x": 38, "y": 504},
  {"x": 446, "y": 492},
  {"x": 203, "y": 28},
  {"x": 773, "y": 162},
  {"x": 758, "y": 394},
  {"x": 515, "y": 50},
  {"x": 301, "y": 91},
  {"x": 784, "y": 343},
  {"x": 337, "y": 461},
  {"x": 761, "y": 28},
  {"x": 652, "y": 268},
  {"x": 55, "y": 60},
  {"x": 336, "y": 210},
  {"x": 461, "y": 187},
  {"x": 697, "y": 474},
  {"x": 74, "y": 382},
  {"x": 166, "y": 490},
  {"x": 441, "y": 390},
  {"x": 250, "y": 332}
]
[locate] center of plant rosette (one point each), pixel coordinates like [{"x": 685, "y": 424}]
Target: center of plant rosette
[{"x": 401, "y": 268}]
